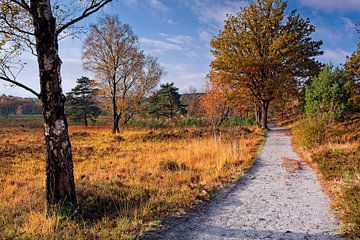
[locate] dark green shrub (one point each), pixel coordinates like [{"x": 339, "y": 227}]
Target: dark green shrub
[
  {"x": 239, "y": 121},
  {"x": 328, "y": 93},
  {"x": 189, "y": 122}
]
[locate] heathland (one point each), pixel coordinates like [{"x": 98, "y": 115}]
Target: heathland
[{"x": 125, "y": 184}]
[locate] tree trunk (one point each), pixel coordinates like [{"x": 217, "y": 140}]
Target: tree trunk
[
  {"x": 258, "y": 113},
  {"x": 60, "y": 186},
  {"x": 116, "y": 118},
  {"x": 116, "y": 124},
  {"x": 264, "y": 113},
  {"x": 85, "y": 116}
]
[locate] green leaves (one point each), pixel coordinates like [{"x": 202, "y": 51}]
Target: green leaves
[
  {"x": 166, "y": 102},
  {"x": 328, "y": 93},
  {"x": 81, "y": 102}
]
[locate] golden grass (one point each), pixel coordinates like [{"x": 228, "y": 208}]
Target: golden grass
[
  {"x": 125, "y": 186},
  {"x": 337, "y": 160}
]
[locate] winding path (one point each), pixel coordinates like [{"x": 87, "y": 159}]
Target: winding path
[{"x": 267, "y": 203}]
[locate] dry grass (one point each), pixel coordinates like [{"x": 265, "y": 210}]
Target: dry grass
[
  {"x": 125, "y": 184},
  {"x": 337, "y": 160}
]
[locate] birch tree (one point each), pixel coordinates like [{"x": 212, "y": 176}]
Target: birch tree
[
  {"x": 37, "y": 26},
  {"x": 128, "y": 76}
]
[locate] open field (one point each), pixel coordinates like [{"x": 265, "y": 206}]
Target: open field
[
  {"x": 125, "y": 184},
  {"x": 334, "y": 151}
]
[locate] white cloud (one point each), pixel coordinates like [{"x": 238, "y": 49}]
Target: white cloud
[
  {"x": 157, "y": 4},
  {"x": 348, "y": 23},
  {"x": 204, "y": 36},
  {"x": 335, "y": 56},
  {"x": 154, "y": 4},
  {"x": 214, "y": 12},
  {"x": 331, "y": 5},
  {"x": 158, "y": 46},
  {"x": 184, "y": 76},
  {"x": 171, "y": 22},
  {"x": 169, "y": 42},
  {"x": 177, "y": 39}
]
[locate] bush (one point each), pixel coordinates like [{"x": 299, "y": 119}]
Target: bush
[
  {"x": 148, "y": 124},
  {"x": 311, "y": 132},
  {"x": 189, "y": 122},
  {"x": 328, "y": 93},
  {"x": 239, "y": 121}
]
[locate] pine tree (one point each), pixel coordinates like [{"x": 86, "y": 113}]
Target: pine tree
[
  {"x": 166, "y": 102},
  {"x": 81, "y": 102},
  {"x": 328, "y": 93}
]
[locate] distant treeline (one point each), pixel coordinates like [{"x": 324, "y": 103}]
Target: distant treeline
[
  {"x": 16, "y": 105},
  {"x": 11, "y": 105}
]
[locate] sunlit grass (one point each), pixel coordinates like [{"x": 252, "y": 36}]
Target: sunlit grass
[
  {"x": 337, "y": 160},
  {"x": 125, "y": 185}
]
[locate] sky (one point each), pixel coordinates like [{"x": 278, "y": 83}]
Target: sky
[{"x": 178, "y": 32}]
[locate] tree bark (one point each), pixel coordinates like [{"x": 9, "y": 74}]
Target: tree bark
[
  {"x": 258, "y": 113},
  {"x": 264, "y": 113},
  {"x": 116, "y": 124},
  {"x": 60, "y": 186},
  {"x": 85, "y": 118},
  {"x": 116, "y": 117}
]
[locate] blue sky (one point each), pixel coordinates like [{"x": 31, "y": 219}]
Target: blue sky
[{"x": 178, "y": 33}]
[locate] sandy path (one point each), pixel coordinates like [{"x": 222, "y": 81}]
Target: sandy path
[{"x": 267, "y": 203}]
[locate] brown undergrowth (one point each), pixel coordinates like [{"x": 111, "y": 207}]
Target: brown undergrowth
[
  {"x": 125, "y": 185},
  {"x": 334, "y": 152}
]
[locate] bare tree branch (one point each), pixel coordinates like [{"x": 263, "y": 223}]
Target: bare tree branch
[
  {"x": 94, "y": 7},
  {"x": 20, "y": 85}
]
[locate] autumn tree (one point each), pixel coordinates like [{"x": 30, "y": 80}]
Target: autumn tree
[
  {"x": 127, "y": 75},
  {"x": 13, "y": 105},
  {"x": 215, "y": 103},
  {"x": 82, "y": 102},
  {"x": 352, "y": 67},
  {"x": 265, "y": 51},
  {"x": 36, "y": 26}
]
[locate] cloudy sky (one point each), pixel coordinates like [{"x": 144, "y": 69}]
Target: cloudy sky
[{"x": 178, "y": 33}]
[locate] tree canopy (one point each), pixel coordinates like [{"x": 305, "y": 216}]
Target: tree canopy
[
  {"x": 128, "y": 76},
  {"x": 328, "y": 93},
  {"x": 81, "y": 104},
  {"x": 166, "y": 102},
  {"x": 265, "y": 51},
  {"x": 352, "y": 67}
]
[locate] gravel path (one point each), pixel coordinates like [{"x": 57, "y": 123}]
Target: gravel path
[{"x": 267, "y": 203}]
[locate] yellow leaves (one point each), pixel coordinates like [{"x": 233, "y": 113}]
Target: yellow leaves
[
  {"x": 9, "y": 8},
  {"x": 353, "y": 63},
  {"x": 262, "y": 51}
]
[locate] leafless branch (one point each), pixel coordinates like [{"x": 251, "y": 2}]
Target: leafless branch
[
  {"x": 94, "y": 7},
  {"x": 20, "y": 85}
]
